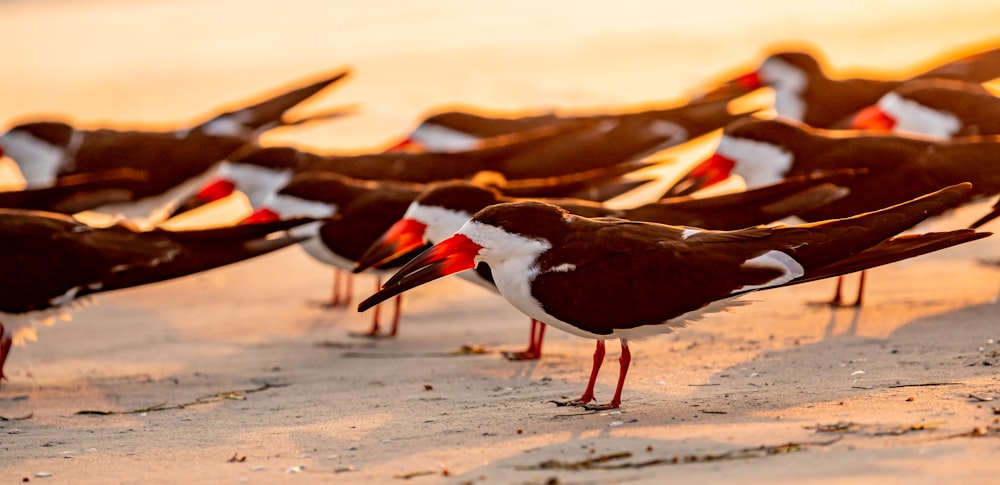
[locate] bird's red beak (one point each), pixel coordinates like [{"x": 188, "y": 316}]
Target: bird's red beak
[
  {"x": 713, "y": 170},
  {"x": 210, "y": 192},
  {"x": 873, "y": 118},
  {"x": 261, "y": 216},
  {"x": 734, "y": 87},
  {"x": 457, "y": 253},
  {"x": 749, "y": 81},
  {"x": 407, "y": 145},
  {"x": 404, "y": 236}
]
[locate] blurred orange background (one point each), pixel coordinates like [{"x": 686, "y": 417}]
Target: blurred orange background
[{"x": 163, "y": 63}]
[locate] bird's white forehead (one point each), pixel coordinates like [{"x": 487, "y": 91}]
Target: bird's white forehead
[
  {"x": 758, "y": 162},
  {"x": 255, "y": 181},
  {"x": 288, "y": 206},
  {"x": 239, "y": 172},
  {"x": 38, "y": 161},
  {"x": 788, "y": 83},
  {"x": 774, "y": 71},
  {"x": 441, "y": 222},
  {"x": 439, "y": 138},
  {"x": 913, "y": 117},
  {"x": 499, "y": 245}
]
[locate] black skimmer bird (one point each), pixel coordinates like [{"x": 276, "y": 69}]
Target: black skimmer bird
[
  {"x": 52, "y": 259},
  {"x": 940, "y": 108},
  {"x": 442, "y": 209},
  {"x": 630, "y": 132},
  {"x": 262, "y": 172},
  {"x": 355, "y": 213},
  {"x": 47, "y": 151},
  {"x": 612, "y": 278},
  {"x": 804, "y": 92},
  {"x": 765, "y": 151}
]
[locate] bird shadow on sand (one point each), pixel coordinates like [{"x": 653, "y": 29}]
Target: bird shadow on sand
[
  {"x": 946, "y": 348},
  {"x": 657, "y": 435}
]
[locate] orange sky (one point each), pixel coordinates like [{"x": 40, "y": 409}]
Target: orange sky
[{"x": 165, "y": 62}]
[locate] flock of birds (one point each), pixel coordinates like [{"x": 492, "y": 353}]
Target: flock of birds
[{"x": 517, "y": 204}]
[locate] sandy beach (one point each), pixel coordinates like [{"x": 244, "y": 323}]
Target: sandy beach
[{"x": 237, "y": 375}]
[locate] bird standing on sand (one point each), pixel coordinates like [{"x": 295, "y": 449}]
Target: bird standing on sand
[
  {"x": 610, "y": 278},
  {"x": 442, "y": 209},
  {"x": 355, "y": 213},
  {"x": 938, "y": 108},
  {"x": 765, "y": 151}
]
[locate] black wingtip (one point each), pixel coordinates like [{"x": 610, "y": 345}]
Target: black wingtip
[{"x": 987, "y": 218}]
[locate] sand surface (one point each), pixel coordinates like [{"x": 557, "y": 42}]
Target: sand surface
[{"x": 244, "y": 379}]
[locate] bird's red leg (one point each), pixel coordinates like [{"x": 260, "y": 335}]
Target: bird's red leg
[
  {"x": 534, "y": 344},
  {"x": 537, "y": 346},
  {"x": 335, "y": 298},
  {"x": 861, "y": 290},
  {"x": 375, "y": 316},
  {"x": 5, "y": 343},
  {"x": 343, "y": 285},
  {"x": 349, "y": 284},
  {"x": 837, "y": 299},
  {"x": 395, "y": 316},
  {"x": 588, "y": 394},
  {"x": 623, "y": 362}
]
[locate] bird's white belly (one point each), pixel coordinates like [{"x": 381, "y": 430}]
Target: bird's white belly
[
  {"x": 513, "y": 281},
  {"x": 314, "y": 247}
]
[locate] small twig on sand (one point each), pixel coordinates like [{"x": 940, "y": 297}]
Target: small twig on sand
[
  {"x": 407, "y": 476},
  {"x": 877, "y": 430},
  {"x": 873, "y": 429},
  {"x": 588, "y": 464},
  {"x": 600, "y": 462},
  {"x": 332, "y": 344},
  {"x": 238, "y": 395},
  {"x": 987, "y": 431},
  {"x": 928, "y": 384}
]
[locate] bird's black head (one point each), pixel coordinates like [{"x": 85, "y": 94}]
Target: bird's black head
[
  {"x": 459, "y": 196},
  {"x": 530, "y": 219},
  {"x": 55, "y": 133},
  {"x": 276, "y": 158}
]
